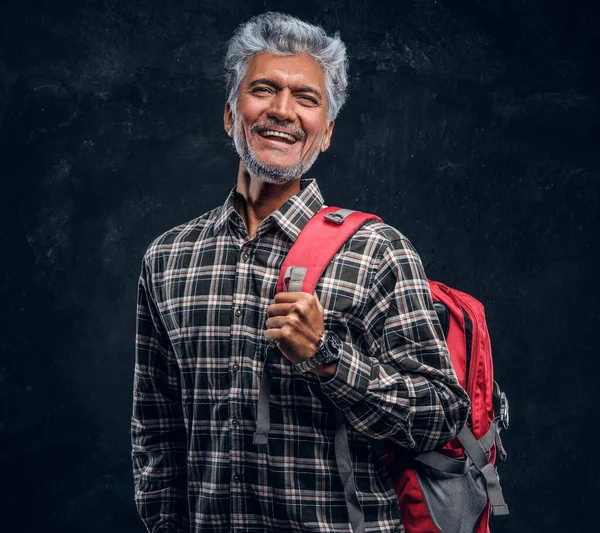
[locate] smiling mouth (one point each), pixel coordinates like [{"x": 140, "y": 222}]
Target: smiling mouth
[{"x": 278, "y": 135}]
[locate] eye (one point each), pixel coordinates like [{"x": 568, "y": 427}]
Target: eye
[
  {"x": 263, "y": 90},
  {"x": 309, "y": 99}
]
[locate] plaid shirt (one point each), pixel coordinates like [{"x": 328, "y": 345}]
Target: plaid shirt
[{"x": 203, "y": 295}]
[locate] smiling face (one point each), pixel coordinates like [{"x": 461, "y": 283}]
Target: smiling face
[{"x": 280, "y": 125}]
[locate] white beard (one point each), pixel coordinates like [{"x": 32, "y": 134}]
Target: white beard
[{"x": 269, "y": 173}]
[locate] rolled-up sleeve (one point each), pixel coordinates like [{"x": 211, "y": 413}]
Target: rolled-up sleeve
[
  {"x": 404, "y": 389},
  {"x": 157, "y": 428}
]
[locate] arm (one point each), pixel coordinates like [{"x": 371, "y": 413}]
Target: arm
[
  {"x": 157, "y": 429},
  {"x": 405, "y": 390}
]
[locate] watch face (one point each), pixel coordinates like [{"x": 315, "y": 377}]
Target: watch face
[
  {"x": 333, "y": 342},
  {"x": 328, "y": 351}
]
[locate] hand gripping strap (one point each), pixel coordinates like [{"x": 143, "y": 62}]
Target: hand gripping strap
[{"x": 321, "y": 238}]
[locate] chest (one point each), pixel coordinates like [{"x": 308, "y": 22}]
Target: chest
[{"x": 213, "y": 297}]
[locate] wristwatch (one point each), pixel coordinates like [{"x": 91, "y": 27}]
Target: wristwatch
[{"x": 328, "y": 350}]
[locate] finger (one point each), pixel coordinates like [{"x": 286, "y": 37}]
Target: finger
[
  {"x": 273, "y": 336},
  {"x": 279, "y": 309},
  {"x": 275, "y": 322},
  {"x": 290, "y": 297}
]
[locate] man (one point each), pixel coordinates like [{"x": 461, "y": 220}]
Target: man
[{"x": 208, "y": 320}]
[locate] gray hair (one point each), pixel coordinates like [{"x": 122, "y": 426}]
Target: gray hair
[{"x": 286, "y": 35}]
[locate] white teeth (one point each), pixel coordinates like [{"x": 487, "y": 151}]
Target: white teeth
[{"x": 270, "y": 133}]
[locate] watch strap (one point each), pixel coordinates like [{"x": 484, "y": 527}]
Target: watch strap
[{"x": 321, "y": 357}]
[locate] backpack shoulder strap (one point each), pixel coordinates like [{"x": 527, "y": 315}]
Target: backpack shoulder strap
[
  {"x": 321, "y": 238},
  {"x": 318, "y": 242}
]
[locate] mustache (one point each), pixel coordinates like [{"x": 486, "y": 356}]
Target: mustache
[{"x": 297, "y": 133}]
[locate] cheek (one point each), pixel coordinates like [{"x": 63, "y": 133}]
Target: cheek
[
  {"x": 243, "y": 125},
  {"x": 316, "y": 127},
  {"x": 251, "y": 111},
  {"x": 315, "y": 138}
]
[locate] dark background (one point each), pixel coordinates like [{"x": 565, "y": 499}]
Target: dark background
[{"x": 471, "y": 126}]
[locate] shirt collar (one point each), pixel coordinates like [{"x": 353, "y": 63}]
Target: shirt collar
[{"x": 290, "y": 217}]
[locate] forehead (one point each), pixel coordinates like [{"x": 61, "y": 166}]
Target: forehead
[{"x": 293, "y": 70}]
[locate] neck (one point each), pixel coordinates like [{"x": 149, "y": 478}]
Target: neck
[{"x": 255, "y": 199}]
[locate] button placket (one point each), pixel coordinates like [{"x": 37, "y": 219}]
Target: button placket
[
  {"x": 241, "y": 286},
  {"x": 242, "y": 280}
]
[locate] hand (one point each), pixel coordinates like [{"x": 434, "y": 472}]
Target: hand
[{"x": 295, "y": 324}]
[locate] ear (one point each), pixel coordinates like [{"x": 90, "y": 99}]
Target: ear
[
  {"x": 327, "y": 137},
  {"x": 228, "y": 119}
]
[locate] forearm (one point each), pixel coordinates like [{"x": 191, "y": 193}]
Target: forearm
[
  {"x": 158, "y": 434},
  {"x": 159, "y": 469},
  {"x": 394, "y": 380},
  {"x": 419, "y": 407}
]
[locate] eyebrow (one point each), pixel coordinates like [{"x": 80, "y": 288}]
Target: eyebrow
[{"x": 274, "y": 85}]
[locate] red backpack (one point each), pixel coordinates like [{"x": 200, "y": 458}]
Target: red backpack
[{"x": 453, "y": 489}]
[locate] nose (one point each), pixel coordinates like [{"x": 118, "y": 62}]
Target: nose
[{"x": 282, "y": 106}]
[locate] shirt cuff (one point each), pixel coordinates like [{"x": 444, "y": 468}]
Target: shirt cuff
[{"x": 351, "y": 380}]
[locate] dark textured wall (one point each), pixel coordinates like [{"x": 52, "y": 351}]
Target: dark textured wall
[{"x": 472, "y": 126}]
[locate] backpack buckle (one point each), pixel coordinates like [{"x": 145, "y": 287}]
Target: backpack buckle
[
  {"x": 293, "y": 278},
  {"x": 335, "y": 217},
  {"x": 504, "y": 416}
]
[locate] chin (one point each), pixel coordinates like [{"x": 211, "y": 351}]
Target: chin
[
  {"x": 270, "y": 170},
  {"x": 275, "y": 174},
  {"x": 277, "y": 180}
]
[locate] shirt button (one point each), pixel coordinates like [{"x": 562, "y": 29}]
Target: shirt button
[
  {"x": 235, "y": 367},
  {"x": 238, "y": 312},
  {"x": 234, "y": 423},
  {"x": 245, "y": 256},
  {"x": 236, "y": 477}
]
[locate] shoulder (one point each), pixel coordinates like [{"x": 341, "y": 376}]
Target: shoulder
[
  {"x": 381, "y": 231},
  {"x": 380, "y": 239},
  {"x": 387, "y": 251},
  {"x": 179, "y": 239}
]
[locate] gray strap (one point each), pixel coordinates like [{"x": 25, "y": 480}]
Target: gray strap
[
  {"x": 503, "y": 420},
  {"x": 473, "y": 448},
  {"x": 489, "y": 439},
  {"x": 503, "y": 411},
  {"x": 500, "y": 447},
  {"x": 493, "y": 437},
  {"x": 338, "y": 216},
  {"x": 497, "y": 391},
  {"x": 293, "y": 278},
  {"x": 444, "y": 463},
  {"x": 477, "y": 454},
  {"x": 452, "y": 465},
  {"x": 263, "y": 416},
  {"x": 494, "y": 490},
  {"x": 344, "y": 464}
]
